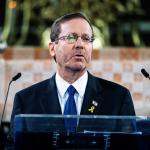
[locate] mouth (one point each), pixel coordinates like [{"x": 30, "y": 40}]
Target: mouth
[
  {"x": 78, "y": 55},
  {"x": 79, "y": 58}
]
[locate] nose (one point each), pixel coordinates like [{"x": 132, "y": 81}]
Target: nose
[{"x": 79, "y": 42}]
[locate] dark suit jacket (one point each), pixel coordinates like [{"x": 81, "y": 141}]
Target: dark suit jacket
[{"x": 42, "y": 98}]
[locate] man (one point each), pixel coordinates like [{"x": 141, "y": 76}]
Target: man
[{"x": 71, "y": 46}]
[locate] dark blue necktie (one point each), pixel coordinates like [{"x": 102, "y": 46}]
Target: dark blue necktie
[{"x": 70, "y": 109}]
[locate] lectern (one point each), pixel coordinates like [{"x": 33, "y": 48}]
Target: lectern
[{"x": 46, "y": 132}]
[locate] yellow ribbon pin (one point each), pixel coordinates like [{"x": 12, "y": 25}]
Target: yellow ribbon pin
[{"x": 91, "y": 109}]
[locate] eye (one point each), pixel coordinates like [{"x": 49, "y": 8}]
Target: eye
[
  {"x": 86, "y": 38},
  {"x": 71, "y": 38}
]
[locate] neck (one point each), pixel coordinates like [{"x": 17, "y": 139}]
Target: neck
[{"x": 71, "y": 77}]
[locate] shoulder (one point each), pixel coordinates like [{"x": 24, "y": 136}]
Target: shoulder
[
  {"x": 106, "y": 84},
  {"x": 38, "y": 87}
]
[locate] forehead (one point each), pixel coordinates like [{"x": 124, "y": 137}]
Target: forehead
[{"x": 77, "y": 25}]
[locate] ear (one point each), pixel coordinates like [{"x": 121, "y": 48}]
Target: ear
[{"x": 52, "y": 49}]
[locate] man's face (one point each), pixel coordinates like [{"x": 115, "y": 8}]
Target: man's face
[{"x": 73, "y": 56}]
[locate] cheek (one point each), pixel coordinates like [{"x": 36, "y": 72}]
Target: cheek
[
  {"x": 63, "y": 52},
  {"x": 89, "y": 54},
  {"x": 61, "y": 56}
]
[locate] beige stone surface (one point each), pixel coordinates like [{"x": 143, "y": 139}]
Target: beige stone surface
[{"x": 121, "y": 65}]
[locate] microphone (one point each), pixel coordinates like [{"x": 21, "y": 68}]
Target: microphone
[
  {"x": 144, "y": 72},
  {"x": 16, "y": 77}
]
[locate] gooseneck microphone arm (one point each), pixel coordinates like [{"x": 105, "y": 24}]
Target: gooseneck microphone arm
[
  {"x": 5, "y": 101},
  {"x": 16, "y": 77}
]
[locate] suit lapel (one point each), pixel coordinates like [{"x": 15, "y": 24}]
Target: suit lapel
[
  {"x": 92, "y": 98},
  {"x": 50, "y": 102}
]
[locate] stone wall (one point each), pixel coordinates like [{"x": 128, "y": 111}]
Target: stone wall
[{"x": 121, "y": 65}]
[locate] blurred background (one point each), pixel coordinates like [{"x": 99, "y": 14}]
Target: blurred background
[
  {"x": 116, "y": 22},
  {"x": 121, "y": 46}
]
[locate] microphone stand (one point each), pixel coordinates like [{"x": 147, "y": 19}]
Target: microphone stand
[
  {"x": 5, "y": 102},
  {"x": 2, "y": 139}
]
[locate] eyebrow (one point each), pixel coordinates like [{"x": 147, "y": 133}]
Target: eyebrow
[{"x": 81, "y": 34}]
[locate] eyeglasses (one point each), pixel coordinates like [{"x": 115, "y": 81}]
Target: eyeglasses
[{"x": 72, "y": 38}]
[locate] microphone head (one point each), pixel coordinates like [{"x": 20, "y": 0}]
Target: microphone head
[
  {"x": 144, "y": 72},
  {"x": 16, "y": 77}
]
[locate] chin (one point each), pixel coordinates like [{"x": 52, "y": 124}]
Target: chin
[{"x": 78, "y": 68}]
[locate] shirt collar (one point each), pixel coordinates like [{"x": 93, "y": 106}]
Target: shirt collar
[
  {"x": 62, "y": 85},
  {"x": 80, "y": 84}
]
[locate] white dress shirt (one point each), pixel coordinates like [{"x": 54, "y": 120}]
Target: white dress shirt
[{"x": 79, "y": 85}]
